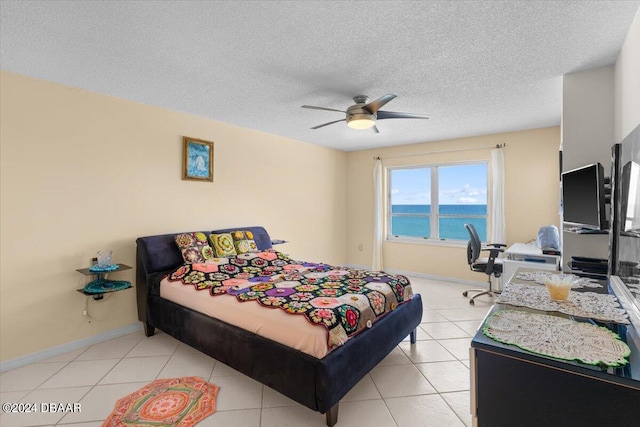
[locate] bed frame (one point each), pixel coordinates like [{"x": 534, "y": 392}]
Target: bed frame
[{"x": 318, "y": 384}]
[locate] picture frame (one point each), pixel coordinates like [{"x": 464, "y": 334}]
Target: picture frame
[{"x": 197, "y": 159}]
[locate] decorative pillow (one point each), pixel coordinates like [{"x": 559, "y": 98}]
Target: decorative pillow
[
  {"x": 194, "y": 247},
  {"x": 223, "y": 244},
  {"x": 243, "y": 242}
]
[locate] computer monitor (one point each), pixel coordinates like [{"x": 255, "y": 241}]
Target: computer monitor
[{"x": 583, "y": 197}]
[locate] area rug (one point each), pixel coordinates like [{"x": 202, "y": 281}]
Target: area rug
[{"x": 179, "y": 402}]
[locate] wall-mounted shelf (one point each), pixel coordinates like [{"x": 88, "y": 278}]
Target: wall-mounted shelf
[{"x": 101, "y": 285}]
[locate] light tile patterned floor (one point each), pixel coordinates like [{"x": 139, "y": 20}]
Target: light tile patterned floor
[{"x": 426, "y": 384}]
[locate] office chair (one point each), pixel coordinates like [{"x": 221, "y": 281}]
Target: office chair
[{"x": 491, "y": 266}]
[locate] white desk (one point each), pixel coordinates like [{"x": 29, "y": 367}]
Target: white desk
[{"x": 526, "y": 255}]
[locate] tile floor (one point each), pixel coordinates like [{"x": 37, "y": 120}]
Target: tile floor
[{"x": 426, "y": 384}]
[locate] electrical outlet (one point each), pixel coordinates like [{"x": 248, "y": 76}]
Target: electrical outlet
[{"x": 360, "y": 247}]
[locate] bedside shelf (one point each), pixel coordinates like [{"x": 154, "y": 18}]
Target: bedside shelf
[
  {"x": 88, "y": 272},
  {"x": 119, "y": 285},
  {"x": 99, "y": 296}
]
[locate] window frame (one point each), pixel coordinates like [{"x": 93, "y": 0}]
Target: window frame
[{"x": 434, "y": 215}]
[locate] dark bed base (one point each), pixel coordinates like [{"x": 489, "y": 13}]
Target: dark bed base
[{"x": 318, "y": 384}]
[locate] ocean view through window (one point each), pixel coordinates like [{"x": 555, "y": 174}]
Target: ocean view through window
[{"x": 434, "y": 202}]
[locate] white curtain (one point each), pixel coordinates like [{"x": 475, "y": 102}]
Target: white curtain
[
  {"x": 378, "y": 225},
  {"x": 498, "y": 234}
]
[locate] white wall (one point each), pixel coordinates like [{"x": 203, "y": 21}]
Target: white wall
[
  {"x": 600, "y": 107},
  {"x": 587, "y": 137},
  {"x": 627, "y": 83},
  {"x": 588, "y": 118}
]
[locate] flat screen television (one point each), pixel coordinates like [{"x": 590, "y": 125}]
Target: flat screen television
[
  {"x": 583, "y": 197},
  {"x": 630, "y": 197}
]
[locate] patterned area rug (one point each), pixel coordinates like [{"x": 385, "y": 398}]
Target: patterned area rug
[{"x": 180, "y": 402}]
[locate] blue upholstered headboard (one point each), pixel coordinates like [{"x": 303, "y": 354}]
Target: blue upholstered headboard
[{"x": 160, "y": 253}]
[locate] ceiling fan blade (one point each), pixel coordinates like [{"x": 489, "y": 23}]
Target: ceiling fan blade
[
  {"x": 322, "y": 108},
  {"x": 394, "y": 115},
  {"x": 330, "y": 123},
  {"x": 374, "y": 106}
]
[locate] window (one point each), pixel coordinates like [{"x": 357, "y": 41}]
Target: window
[{"x": 436, "y": 201}]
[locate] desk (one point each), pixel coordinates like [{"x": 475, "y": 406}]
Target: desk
[
  {"x": 513, "y": 387},
  {"x": 526, "y": 255}
]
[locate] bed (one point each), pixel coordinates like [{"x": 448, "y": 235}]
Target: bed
[{"x": 314, "y": 380}]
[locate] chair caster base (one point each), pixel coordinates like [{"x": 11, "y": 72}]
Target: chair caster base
[{"x": 480, "y": 293}]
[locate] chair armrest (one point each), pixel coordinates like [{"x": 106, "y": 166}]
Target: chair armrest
[
  {"x": 493, "y": 250},
  {"x": 497, "y": 245},
  {"x": 493, "y": 254}
]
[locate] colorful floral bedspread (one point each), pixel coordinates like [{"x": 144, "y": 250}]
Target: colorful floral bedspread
[{"x": 343, "y": 300}]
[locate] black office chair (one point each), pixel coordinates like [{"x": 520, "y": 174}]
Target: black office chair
[{"x": 491, "y": 266}]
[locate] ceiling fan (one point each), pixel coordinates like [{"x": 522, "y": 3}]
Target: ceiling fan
[{"x": 363, "y": 114}]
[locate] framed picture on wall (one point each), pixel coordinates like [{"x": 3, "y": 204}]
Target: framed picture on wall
[{"x": 197, "y": 159}]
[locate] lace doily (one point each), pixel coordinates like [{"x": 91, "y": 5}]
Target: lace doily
[
  {"x": 539, "y": 276},
  {"x": 111, "y": 267},
  {"x": 557, "y": 337},
  {"x": 603, "y": 307}
]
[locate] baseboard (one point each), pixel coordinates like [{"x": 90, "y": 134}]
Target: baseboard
[
  {"x": 105, "y": 336},
  {"x": 39, "y": 356},
  {"x": 424, "y": 276}
]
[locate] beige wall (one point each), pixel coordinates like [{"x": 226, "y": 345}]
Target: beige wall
[
  {"x": 82, "y": 172},
  {"x": 531, "y": 197}
]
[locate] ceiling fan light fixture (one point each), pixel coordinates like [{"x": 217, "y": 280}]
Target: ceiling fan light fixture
[
  {"x": 361, "y": 121},
  {"x": 363, "y": 114}
]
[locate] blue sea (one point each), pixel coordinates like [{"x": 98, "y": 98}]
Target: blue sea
[{"x": 449, "y": 227}]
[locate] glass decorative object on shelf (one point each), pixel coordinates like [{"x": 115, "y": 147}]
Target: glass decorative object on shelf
[
  {"x": 558, "y": 287},
  {"x": 104, "y": 258}
]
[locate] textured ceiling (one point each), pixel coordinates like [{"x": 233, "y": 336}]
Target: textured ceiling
[{"x": 475, "y": 67}]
